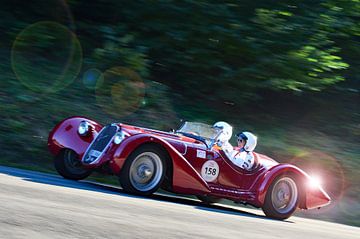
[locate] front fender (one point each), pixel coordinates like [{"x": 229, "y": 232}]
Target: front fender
[
  {"x": 310, "y": 196},
  {"x": 185, "y": 178},
  {"x": 65, "y": 135}
]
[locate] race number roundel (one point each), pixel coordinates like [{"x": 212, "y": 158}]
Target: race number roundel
[{"x": 210, "y": 171}]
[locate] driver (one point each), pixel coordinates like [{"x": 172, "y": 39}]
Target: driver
[{"x": 225, "y": 133}]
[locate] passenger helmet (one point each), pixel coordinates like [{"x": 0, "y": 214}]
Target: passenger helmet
[{"x": 250, "y": 140}]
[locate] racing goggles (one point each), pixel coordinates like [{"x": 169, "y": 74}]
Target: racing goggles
[{"x": 241, "y": 136}]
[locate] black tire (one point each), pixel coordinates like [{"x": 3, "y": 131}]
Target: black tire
[
  {"x": 277, "y": 195},
  {"x": 144, "y": 170},
  {"x": 208, "y": 200},
  {"x": 69, "y": 166}
]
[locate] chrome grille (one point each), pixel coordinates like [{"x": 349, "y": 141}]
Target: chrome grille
[{"x": 100, "y": 144}]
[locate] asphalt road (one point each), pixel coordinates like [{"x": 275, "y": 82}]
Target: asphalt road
[{"x": 37, "y": 205}]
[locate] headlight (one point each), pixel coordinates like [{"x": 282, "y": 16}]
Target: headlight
[
  {"x": 119, "y": 136},
  {"x": 84, "y": 128}
]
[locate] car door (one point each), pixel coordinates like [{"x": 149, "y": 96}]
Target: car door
[{"x": 232, "y": 176}]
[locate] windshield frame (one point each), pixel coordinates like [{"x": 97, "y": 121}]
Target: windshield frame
[{"x": 208, "y": 141}]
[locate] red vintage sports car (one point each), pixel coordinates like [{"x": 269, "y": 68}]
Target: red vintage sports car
[{"x": 185, "y": 161}]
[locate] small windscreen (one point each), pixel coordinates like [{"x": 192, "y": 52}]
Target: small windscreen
[{"x": 199, "y": 129}]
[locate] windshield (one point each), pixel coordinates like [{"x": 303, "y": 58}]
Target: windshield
[{"x": 199, "y": 130}]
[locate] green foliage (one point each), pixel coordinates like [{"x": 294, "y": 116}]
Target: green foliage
[
  {"x": 118, "y": 51},
  {"x": 199, "y": 46},
  {"x": 242, "y": 47}
]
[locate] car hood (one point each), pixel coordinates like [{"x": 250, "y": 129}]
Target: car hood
[{"x": 132, "y": 130}]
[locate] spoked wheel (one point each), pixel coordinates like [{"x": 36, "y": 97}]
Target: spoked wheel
[
  {"x": 144, "y": 170},
  {"x": 208, "y": 199},
  {"x": 68, "y": 165},
  {"x": 282, "y": 198}
]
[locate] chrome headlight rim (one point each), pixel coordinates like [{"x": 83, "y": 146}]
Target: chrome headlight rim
[{"x": 84, "y": 128}]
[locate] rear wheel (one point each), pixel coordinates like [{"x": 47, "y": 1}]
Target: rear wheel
[
  {"x": 282, "y": 198},
  {"x": 144, "y": 170},
  {"x": 68, "y": 165}
]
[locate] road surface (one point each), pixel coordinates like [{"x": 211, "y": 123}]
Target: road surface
[{"x": 38, "y": 205}]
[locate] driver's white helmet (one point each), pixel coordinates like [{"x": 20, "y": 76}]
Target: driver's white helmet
[
  {"x": 226, "y": 131},
  {"x": 251, "y": 140}
]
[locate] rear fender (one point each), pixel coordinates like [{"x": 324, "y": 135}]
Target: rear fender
[
  {"x": 264, "y": 183},
  {"x": 310, "y": 196},
  {"x": 185, "y": 179},
  {"x": 65, "y": 135}
]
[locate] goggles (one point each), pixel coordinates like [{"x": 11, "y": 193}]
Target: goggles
[{"x": 241, "y": 136}]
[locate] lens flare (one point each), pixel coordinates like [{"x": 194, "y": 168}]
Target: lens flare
[
  {"x": 46, "y": 57},
  {"x": 326, "y": 172},
  {"x": 121, "y": 91},
  {"x": 93, "y": 78},
  {"x": 315, "y": 181}
]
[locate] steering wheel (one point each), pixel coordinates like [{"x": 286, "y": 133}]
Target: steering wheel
[{"x": 193, "y": 136}]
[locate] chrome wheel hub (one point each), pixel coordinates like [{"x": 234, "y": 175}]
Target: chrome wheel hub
[
  {"x": 284, "y": 195},
  {"x": 146, "y": 171}
]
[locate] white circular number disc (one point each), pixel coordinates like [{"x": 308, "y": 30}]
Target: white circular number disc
[{"x": 210, "y": 171}]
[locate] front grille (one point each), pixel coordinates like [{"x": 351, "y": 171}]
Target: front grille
[{"x": 100, "y": 144}]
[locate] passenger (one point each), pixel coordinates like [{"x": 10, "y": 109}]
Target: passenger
[{"x": 243, "y": 155}]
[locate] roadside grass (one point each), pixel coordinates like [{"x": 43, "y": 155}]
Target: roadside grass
[{"x": 35, "y": 167}]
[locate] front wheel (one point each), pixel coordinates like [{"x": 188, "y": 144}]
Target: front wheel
[
  {"x": 68, "y": 165},
  {"x": 282, "y": 198},
  {"x": 144, "y": 170}
]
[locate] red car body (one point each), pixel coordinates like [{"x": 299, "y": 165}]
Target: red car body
[{"x": 231, "y": 183}]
